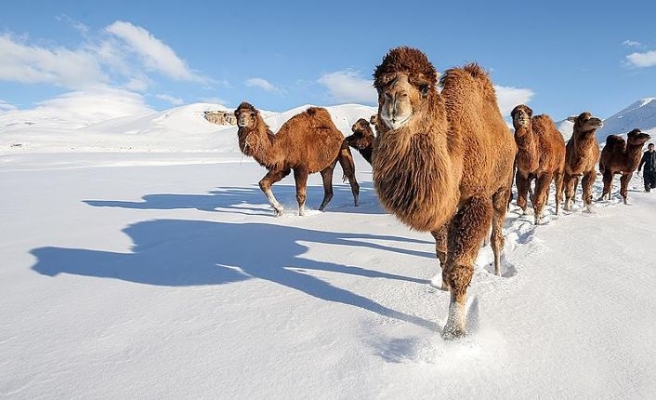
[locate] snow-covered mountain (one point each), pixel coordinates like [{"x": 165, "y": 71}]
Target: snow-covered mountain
[
  {"x": 641, "y": 115},
  {"x": 145, "y": 131},
  {"x": 149, "y": 132}
]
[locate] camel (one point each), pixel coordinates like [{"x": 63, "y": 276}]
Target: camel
[
  {"x": 621, "y": 157},
  {"x": 443, "y": 163},
  {"x": 307, "y": 143},
  {"x": 362, "y": 138},
  {"x": 540, "y": 157},
  {"x": 581, "y": 156}
]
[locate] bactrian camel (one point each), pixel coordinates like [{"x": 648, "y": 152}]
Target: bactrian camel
[
  {"x": 307, "y": 143},
  {"x": 443, "y": 162},
  {"x": 581, "y": 157},
  {"x": 622, "y": 157},
  {"x": 540, "y": 157}
]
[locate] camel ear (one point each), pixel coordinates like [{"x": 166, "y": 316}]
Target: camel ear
[
  {"x": 572, "y": 118},
  {"x": 529, "y": 110},
  {"x": 513, "y": 112}
]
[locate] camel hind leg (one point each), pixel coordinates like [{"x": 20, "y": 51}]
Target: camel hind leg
[
  {"x": 327, "y": 178},
  {"x": 466, "y": 232},
  {"x": 301, "y": 178},
  {"x": 608, "y": 185},
  {"x": 345, "y": 159}
]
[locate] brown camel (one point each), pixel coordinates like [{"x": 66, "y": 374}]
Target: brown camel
[
  {"x": 307, "y": 143},
  {"x": 362, "y": 138},
  {"x": 443, "y": 163},
  {"x": 621, "y": 157},
  {"x": 540, "y": 156},
  {"x": 581, "y": 156}
]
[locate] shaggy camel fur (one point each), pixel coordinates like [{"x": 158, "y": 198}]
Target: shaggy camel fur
[
  {"x": 307, "y": 143},
  {"x": 581, "y": 157},
  {"x": 362, "y": 138},
  {"x": 540, "y": 156},
  {"x": 443, "y": 163},
  {"x": 621, "y": 157}
]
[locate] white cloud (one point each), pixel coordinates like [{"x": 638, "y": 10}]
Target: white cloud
[
  {"x": 173, "y": 100},
  {"x": 642, "y": 60},
  {"x": 153, "y": 52},
  {"x": 349, "y": 87},
  {"x": 631, "y": 43},
  {"x": 59, "y": 66},
  {"x": 509, "y": 97},
  {"x": 4, "y": 106},
  {"x": 264, "y": 84}
]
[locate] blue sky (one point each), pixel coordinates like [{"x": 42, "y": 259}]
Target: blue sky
[{"x": 560, "y": 58}]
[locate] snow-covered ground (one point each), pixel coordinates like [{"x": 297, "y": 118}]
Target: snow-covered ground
[{"x": 141, "y": 260}]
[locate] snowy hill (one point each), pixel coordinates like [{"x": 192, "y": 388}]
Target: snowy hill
[
  {"x": 641, "y": 115},
  {"x": 184, "y": 128},
  {"x": 179, "y": 129}
]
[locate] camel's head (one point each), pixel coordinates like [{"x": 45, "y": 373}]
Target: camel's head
[
  {"x": 362, "y": 136},
  {"x": 637, "y": 138},
  {"x": 585, "y": 124},
  {"x": 521, "y": 116},
  {"x": 405, "y": 81},
  {"x": 246, "y": 115}
]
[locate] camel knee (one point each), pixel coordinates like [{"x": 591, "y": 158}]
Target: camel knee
[{"x": 458, "y": 277}]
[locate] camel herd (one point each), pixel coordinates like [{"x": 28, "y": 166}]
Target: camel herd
[{"x": 443, "y": 160}]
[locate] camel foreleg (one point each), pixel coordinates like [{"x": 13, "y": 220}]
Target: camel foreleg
[
  {"x": 558, "y": 182},
  {"x": 523, "y": 182},
  {"x": 541, "y": 194},
  {"x": 466, "y": 232},
  {"x": 624, "y": 186},
  {"x": 571, "y": 181},
  {"x": 587, "y": 182},
  {"x": 269, "y": 179},
  {"x": 496, "y": 238},
  {"x": 345, "y": 159}
]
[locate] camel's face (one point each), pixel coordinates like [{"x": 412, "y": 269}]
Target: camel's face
[
  {"x": 521, "y": 116},
  {"x": 362, "y": 136},
  {"x": 397, "y": 100},
  {"x": 586, "y": 124},
  {"x": 246, "y": 118},
  {"x": 637, "y": 138}
]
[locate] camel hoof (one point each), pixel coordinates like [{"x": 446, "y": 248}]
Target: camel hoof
[
  {"x": 278, "y": 212},
  {"x": 453, "y": 333}
]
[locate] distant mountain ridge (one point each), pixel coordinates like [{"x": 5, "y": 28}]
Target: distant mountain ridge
[
  {"x": 641, "y": 115},
  {"x": 163, "y": 131}
]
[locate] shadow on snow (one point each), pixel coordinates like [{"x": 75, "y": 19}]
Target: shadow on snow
[
  {"x": 251, "y": 200},
  {"x": 188, "y": 253}
]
